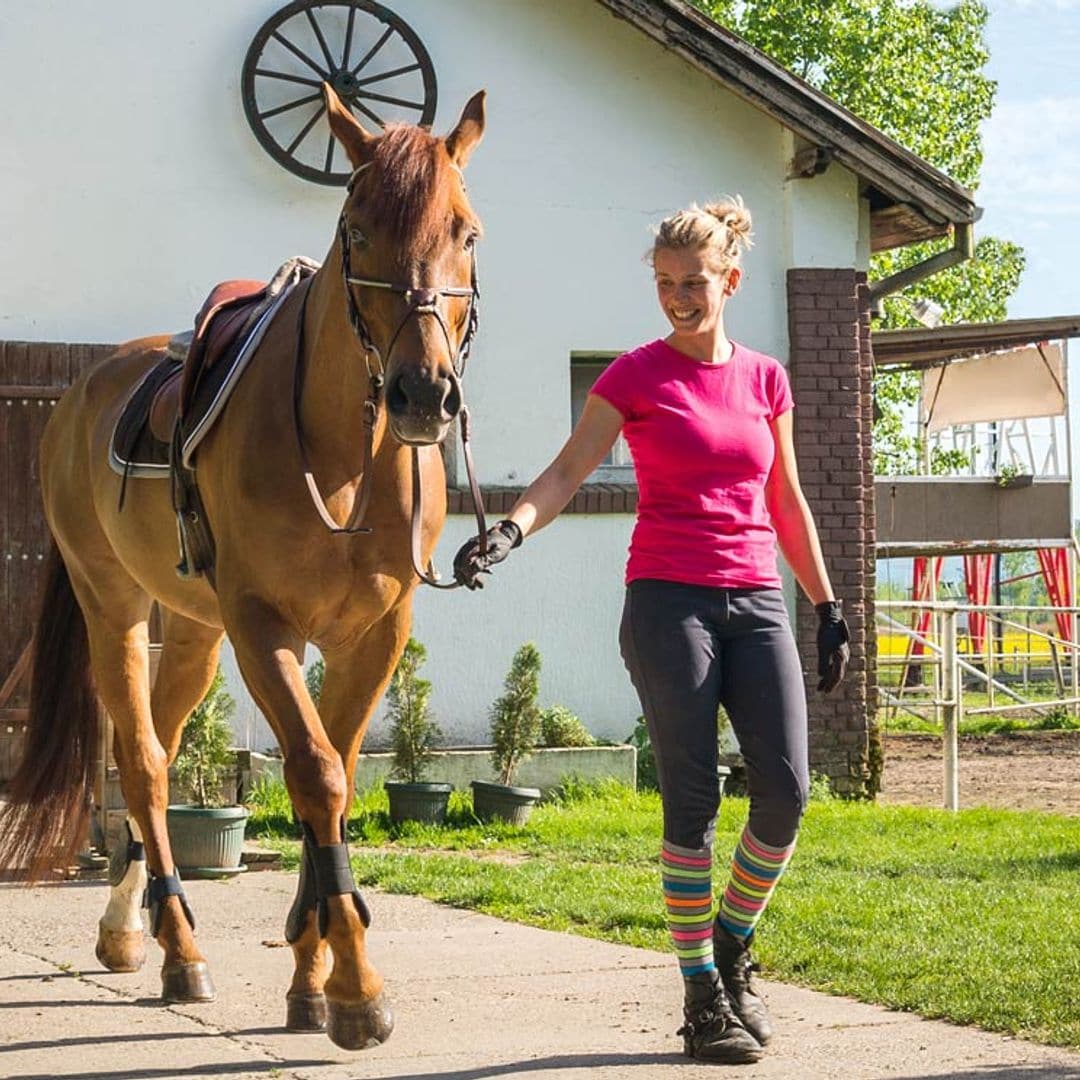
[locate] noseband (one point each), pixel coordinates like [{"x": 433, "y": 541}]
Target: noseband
[{"x": 418, "y": 301}]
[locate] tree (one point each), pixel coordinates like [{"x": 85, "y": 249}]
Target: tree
[
  {"x": 515, "y": 716},
  {"x": 413, "y": 730},
  {"x": 916, "y": 72}
]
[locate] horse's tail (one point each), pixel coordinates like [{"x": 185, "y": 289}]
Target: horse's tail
[{"x": 48, "y": 799}]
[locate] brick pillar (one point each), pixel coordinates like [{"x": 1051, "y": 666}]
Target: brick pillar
[{"x": 830, "y": 368}]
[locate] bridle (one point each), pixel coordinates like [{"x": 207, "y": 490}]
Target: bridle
[{"x": 419, "y": 301}]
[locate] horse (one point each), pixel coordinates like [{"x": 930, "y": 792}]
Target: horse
[{"x": 371, "y": 342}]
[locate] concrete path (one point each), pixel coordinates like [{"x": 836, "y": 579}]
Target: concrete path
[{"x": 475, "y": 998}]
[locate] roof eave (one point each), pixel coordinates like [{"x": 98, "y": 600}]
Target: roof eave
[
  {"x": 914, "y": 349},
  {"x": 884, "y": 165}
]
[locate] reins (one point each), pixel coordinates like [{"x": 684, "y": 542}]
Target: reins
[{"x": 419, "y": 301}]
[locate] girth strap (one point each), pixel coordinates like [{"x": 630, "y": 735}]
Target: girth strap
[
  {"x": 324, "y": 872},
  {"x": 160, "y": 888}
]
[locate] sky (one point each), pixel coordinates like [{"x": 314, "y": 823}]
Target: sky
[{"x": 1030, "y": 189}]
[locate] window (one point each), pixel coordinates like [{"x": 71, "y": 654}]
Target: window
[{"x": 585, "y": 369}]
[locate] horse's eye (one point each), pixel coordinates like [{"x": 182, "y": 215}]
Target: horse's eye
[
  {"x": 470, "y": 241},
  {"x": 358, "y": 238}
]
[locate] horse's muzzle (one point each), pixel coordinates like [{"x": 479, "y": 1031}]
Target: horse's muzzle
[{"x": 420, "y": 409}]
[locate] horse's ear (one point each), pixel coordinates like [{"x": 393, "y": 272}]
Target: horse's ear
[
  {"x": 347, "y": 129},
  {"x": 465, "y": 138}
]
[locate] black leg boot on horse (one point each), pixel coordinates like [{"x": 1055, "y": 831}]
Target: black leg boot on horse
[
  {"x": 711, "y": 1031},
  {"x": 736, "y": 965}
]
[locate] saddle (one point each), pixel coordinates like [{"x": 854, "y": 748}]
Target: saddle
[{"x": 178, "y": 401}]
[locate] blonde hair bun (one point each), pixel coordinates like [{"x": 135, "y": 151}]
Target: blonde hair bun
[{"x": 723, "y": 228}]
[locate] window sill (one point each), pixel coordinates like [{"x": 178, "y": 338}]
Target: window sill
[{"x": 594, "y": 497}]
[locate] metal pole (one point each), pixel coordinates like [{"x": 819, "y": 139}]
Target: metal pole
[{"x": 951, "y": 709}]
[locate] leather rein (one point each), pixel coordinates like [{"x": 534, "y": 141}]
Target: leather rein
[{"x": 418, "y": 301}]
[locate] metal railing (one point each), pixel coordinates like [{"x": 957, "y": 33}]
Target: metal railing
[{"x": 947, "y": 662}]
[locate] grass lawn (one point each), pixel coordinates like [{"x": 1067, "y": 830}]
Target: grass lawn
[{"x": 973, "y": 917}]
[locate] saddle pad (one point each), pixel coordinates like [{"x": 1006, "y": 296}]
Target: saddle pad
[{"x": 133, "y": 448}]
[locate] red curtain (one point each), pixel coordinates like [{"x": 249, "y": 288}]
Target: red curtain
[
  {"x": 922, "y": 588},
  {"x": 978, "y": 570},
  {"x": 1059, "y": 586}
]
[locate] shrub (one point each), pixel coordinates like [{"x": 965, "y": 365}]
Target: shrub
[
  {"x": 413, "y": 731},
  {"x": 560, "y": 727},
  {"x": 646, "y": 762},
  {"x": 204, "y": 760},
  {"x": 515, "y": 716},
  {"x": 313, "y": 680}
]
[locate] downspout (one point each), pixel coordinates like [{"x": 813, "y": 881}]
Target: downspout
[{"x": 963, "y": 248}]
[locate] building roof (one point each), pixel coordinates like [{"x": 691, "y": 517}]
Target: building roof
[
  {"x": 920, "y": 348},
  {"x": 909, "y": 199}
]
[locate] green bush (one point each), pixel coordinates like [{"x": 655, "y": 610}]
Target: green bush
[
  {"x": 313, "y": 680},
  {"x": 561, "y": 727},
  {"x": 647, "y": 779},
  {"x": 515, "y": 716},
  {"x": 413, "y": 731},
  {"x": 204, "y": 760}
]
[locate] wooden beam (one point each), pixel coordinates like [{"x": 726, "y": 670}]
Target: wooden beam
[
  {"x": 51, "y": 393},
  {"x": 17, "y": 673}
]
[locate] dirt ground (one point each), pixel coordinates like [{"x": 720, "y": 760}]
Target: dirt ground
[{"x": 1037, "y": 770}]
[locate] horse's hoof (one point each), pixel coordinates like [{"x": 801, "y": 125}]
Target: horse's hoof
[
  {"x": 186, "y": 983},
  {"x": 358, "y": 1026},
  {"x": 305, "y": 1012},
  {"x": 121, "y": 950}
]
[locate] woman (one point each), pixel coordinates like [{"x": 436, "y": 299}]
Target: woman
[{"x": 709, "y": 426}]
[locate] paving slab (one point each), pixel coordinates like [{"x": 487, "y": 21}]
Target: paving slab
[{"x": 474, "y": 998}]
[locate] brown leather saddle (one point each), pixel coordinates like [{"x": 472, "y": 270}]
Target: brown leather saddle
[{"x": 180, "y": 398}]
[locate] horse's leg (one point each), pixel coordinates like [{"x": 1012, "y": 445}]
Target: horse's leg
[
  {"x": 355, "y": 679},
  {"x": 269, "y": 651},
  {"x": 188, "y": 661},
  {"x": 117, "y": 631}
]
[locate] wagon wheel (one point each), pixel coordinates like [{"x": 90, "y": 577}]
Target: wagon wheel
[{"x": 373, "y": 60}]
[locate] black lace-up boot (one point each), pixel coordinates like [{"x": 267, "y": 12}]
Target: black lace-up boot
[
  {"x": 735, "y": 964},
  {"x": 711, "y": 1031}
]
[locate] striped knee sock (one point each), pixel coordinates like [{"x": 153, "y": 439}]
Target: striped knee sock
[
  {"x": 755, "y": 870},
  {"x": 687, "y": 875}
]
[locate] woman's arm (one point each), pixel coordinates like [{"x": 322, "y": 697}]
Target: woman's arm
[
  {"x": 587, "y": 446},
  {"x": 791, "y": 517}
]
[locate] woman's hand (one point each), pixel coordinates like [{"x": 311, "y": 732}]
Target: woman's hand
[
  {"x": 469, "y": 563},
  {"x": 832, "y": 643}
]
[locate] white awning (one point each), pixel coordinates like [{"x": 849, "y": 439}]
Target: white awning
[{"x": 1014, "y": 385}]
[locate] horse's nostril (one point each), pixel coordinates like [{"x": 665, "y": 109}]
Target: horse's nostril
[
  {"x": 451, "y": 403},
  {"x": 397, "y": 401}
]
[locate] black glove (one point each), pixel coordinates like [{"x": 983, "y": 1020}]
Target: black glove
[
  {"x": 469, "y": 564},
  {"x": 832, "y": 644}
]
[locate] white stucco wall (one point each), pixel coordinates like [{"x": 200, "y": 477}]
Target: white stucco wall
[{"x": 131, "y": 183}]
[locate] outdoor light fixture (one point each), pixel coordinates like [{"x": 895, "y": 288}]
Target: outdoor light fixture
[{"x": 927, "y": 312}]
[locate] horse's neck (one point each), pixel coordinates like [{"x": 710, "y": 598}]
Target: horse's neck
[{"x": 336, "y": 383}]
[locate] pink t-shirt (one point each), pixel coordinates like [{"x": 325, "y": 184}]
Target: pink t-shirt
[{"x": 702, "y": 448}]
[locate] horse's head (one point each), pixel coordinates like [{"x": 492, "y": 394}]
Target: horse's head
[{"x": 406, "y": 240}]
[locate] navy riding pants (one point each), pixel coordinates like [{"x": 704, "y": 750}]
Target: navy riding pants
[{"x": 692, "y": 648}]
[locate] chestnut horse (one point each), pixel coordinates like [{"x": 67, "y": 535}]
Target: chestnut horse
[{"x": 403, "y": 250}]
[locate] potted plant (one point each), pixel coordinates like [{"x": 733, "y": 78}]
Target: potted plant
[
  {"x": 515, "y": 728},
  {"x": 207, "y": 834},
  {"x": 414, "y": 733}
]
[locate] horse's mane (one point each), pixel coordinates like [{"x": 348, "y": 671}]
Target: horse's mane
[{"x": 412, "y": 172}]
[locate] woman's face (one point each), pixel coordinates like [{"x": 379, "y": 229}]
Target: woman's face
[{"x": 691, "y": 291}]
